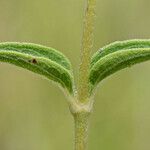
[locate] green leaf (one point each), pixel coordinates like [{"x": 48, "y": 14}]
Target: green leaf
[
  {"x": 117, "y": 56},
  {"x": 39, "y": 59},
  {"x": 117, "y": 46}
]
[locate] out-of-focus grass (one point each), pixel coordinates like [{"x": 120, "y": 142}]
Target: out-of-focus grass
[{"x": 34, "y": 113}]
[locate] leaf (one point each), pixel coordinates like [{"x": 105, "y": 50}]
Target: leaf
[
  {"x": 117, "y": 56},
  {"x": 117, "y": 46},
  {"x": 39, "y": 59}
]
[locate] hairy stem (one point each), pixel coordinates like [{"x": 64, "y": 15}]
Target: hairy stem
[
  {"x": 87, "y": 43},
  {"x": 81, "y": 130},
  {"x": 80, "y": 112}
]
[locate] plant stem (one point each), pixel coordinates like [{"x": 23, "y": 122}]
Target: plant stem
[
  {"x": 87, "y": 43},
  {"x": 81, "y": 107},
  {"x": 81, "y": 130}
]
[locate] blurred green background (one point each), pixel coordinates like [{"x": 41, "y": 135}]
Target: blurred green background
[{"x": 34, "y": 113}]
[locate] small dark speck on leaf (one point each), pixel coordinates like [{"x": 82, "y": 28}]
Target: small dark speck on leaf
[{"x": 34, "y": 61}]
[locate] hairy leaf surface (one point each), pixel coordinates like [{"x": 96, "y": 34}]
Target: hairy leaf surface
[
  {"x": 117, "y": 56},
  {"x": 39, "y": 59},
  {"x": 118, "y": 46}
]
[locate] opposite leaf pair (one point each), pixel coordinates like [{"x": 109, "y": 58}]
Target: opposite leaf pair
[{"x": 55, "y": 66}]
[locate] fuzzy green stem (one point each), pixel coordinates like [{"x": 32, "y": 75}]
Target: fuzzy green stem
[
  {"x": 81, "y": 130},
  {"x": 87, "y": 43}
]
